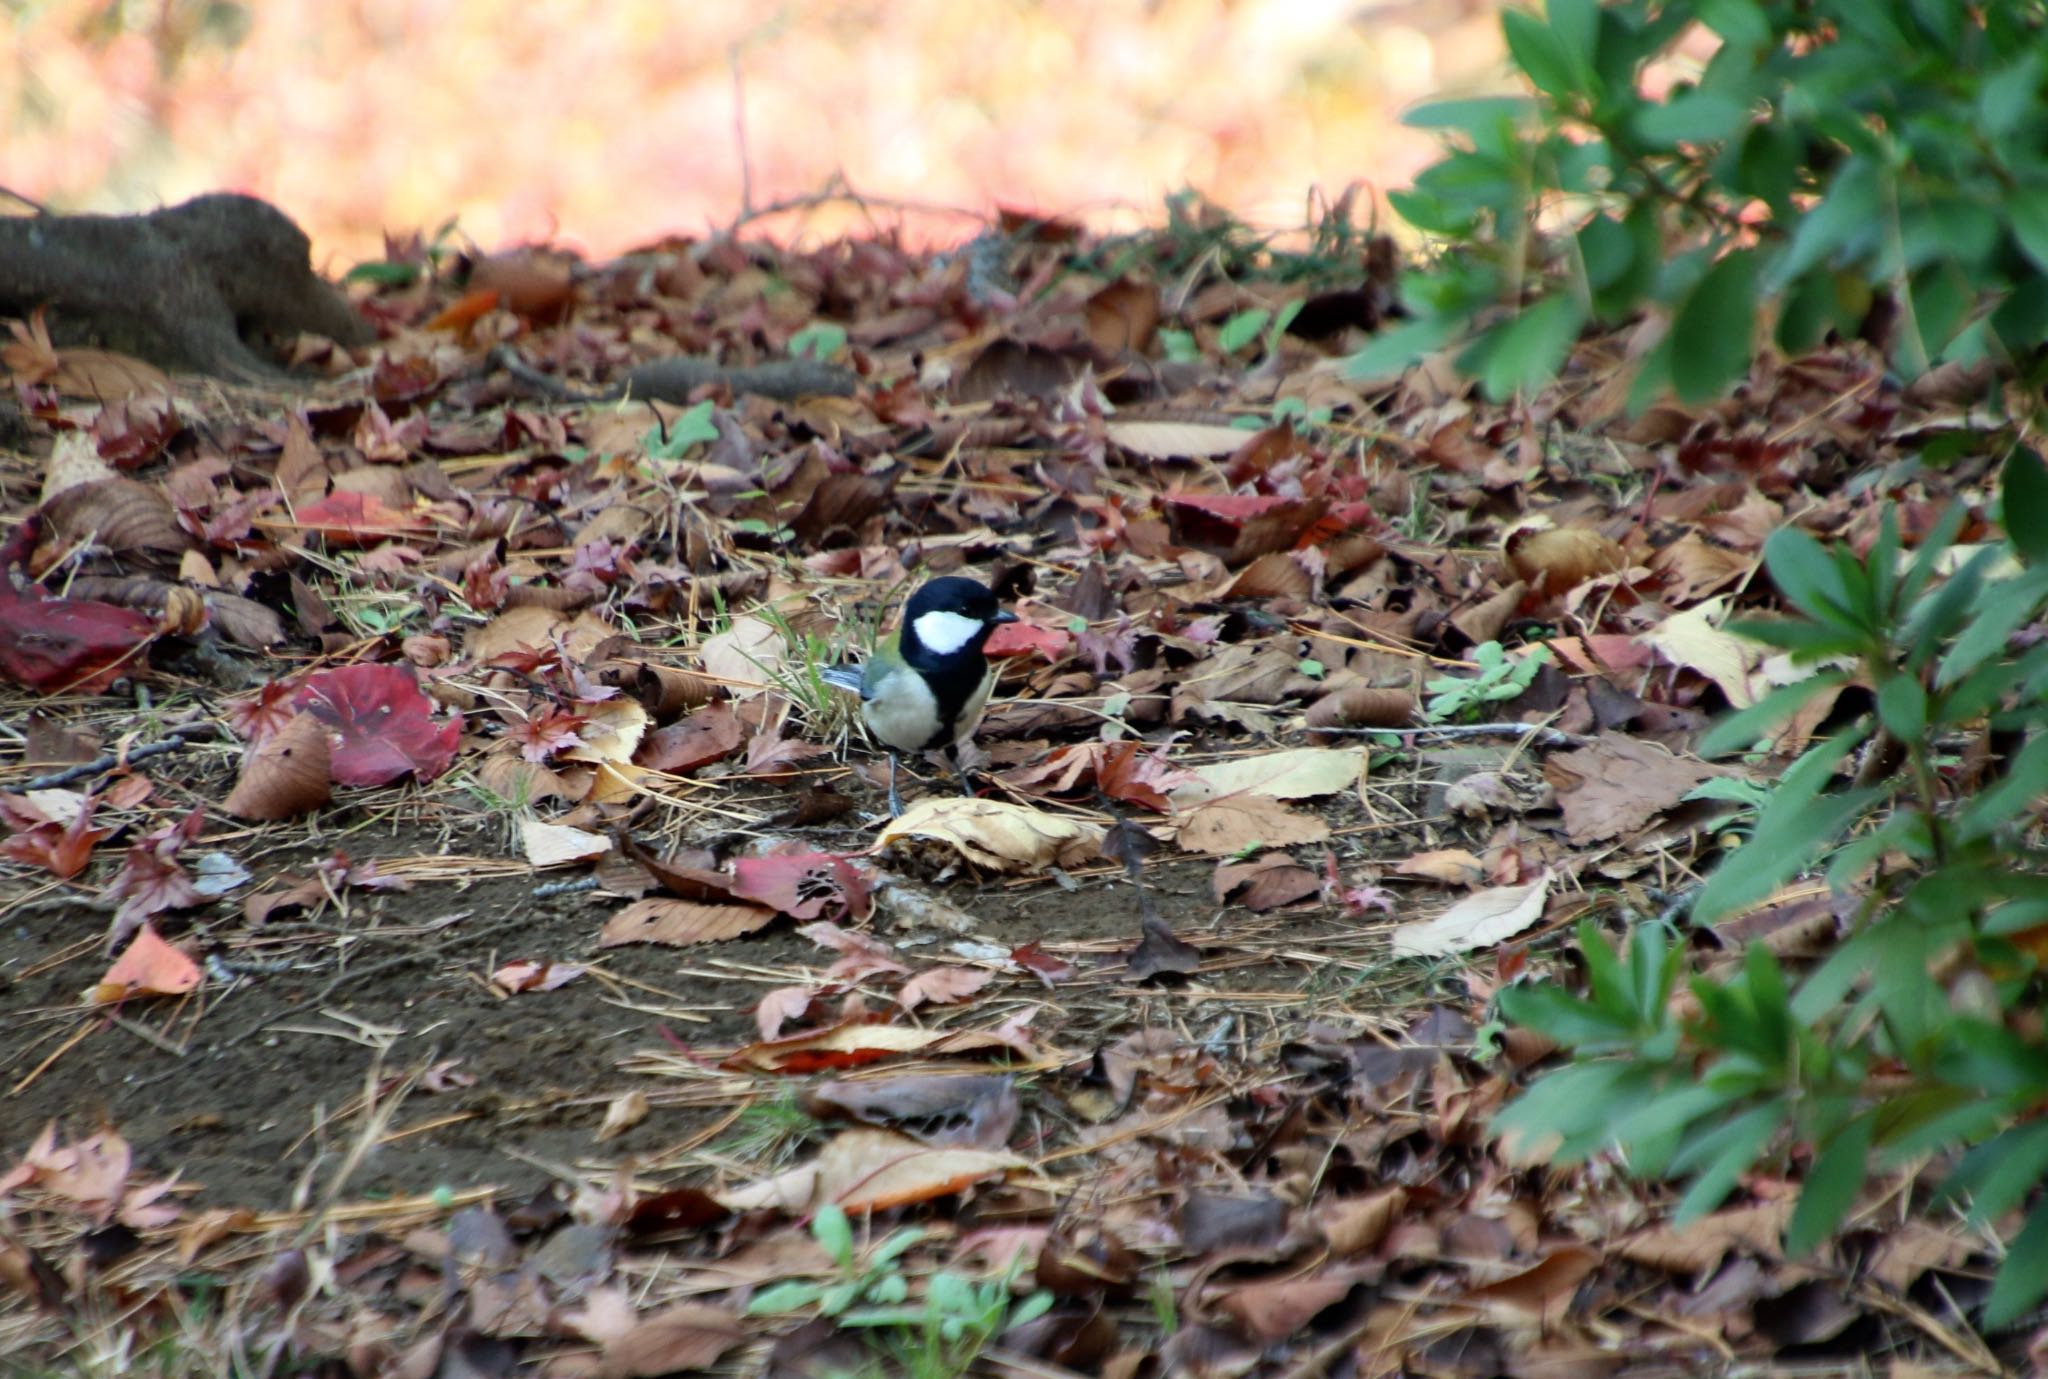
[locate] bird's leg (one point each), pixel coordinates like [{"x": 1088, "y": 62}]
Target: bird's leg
[
  {"x": 959, "y": 771},
  {"x": 895, "y": 800}
]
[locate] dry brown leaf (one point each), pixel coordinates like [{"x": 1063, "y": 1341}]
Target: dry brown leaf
[
  {"x": 125, "y": 516},
  {"x": 943, "y": 986},
  {"x": 1299, "y": 774},
  {"x": 995, "y": 834},
  {"x": 867, "y": 1170},
  {"x": 1698, "y": 1247},
  {"x": 681, "y": 1337},
  {"x": 746, "y": 655},
  {"x": 621, "y": 1114},
  {"x": 1553, "y": 560},
  {"x": 1694, "y": 639},
  {"x": 1617, "y": 784},
  {"x": 1173, "y": 440},
  {"x": 289, "y": 774},
  {"x": 1543, "y": 1287},
  {"x": 1480, "y": 920},
  {"x": 1123, "y": 316},
  {"x": 1452, "y": 866},
  {"x": 149, "y": 966},
  {"x": 1226, "y": 827},
  {"x": 682, "y": 922},
  {"x": 552, "y": 845}
]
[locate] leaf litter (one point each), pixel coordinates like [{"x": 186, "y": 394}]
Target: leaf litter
[{"x": 446, "y": 909}]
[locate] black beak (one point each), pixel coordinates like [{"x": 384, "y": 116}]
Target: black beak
[{"x": 1002, "y": 616}]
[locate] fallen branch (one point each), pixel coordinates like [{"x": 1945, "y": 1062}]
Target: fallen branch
[
  {"x": 178, "y": 739},
  {"x": 674, "y": 380},
  {"x": 1538, "y": 733}
]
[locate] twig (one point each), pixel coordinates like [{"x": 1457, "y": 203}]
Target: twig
[
  {"x": 179, "y": 738},
  {"x": 581, "y": 883},
  {"x": 11, "y": 194},
  {"x": 739, "y": 132},
  {"x": 1535, "y": 732}
]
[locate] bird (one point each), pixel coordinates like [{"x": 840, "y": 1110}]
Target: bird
[{"x": 924, "y": 687}]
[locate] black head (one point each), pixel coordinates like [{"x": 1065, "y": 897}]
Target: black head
[
  {"x": 967, "y": 611},
  {"x": 970, "y": 598}
]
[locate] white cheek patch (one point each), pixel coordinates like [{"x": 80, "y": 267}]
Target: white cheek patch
[{"x": 946, "y": 633}]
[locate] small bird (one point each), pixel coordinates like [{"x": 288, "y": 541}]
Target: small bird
[{"x": 925, "y": 687}]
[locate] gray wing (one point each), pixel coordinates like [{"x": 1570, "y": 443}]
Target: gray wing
[{"x": 844, "y": 677}]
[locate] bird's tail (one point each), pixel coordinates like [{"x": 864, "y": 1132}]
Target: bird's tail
[{"x": 841, "y": 677}]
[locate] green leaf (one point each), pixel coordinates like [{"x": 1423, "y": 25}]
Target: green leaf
[
  {"x": 834, "y": 1233},
  {"x": 1849, "y": 210},
  {"x": 1695, "y": 117},
  {"x": 2025, "y": 500},
  {"x": 2024, "y": 782},
  {"x": 2023, "y": 1274},
  {"x": 1393, "y": 350},
  {"x": 1525, "y": 352},
  {"x": 1810, "y": 580},
  {"x": 1902, "y": 708},
  {"x": 784, "y": 1297},
  {"x": 1725, "y": 1153},
  {"x": 1537, "y": 50},
  {"x": 1741, "y": 22},
  {"x": 819, "y": 340},
  {"x": 1717, "y": 328},
  {"x": 1831, "y": 1187},
  {"x": 1788, "y": 832},
  {"x": 1243, "y": 328},
  {"x": 2010, "y": 98},
  {"x": 1577, "y": 26},
  {"x": 2026, "y": 210},
  {"x": 1739, "y": 731},
  {"x": 1999, "y": 1173},
  {"x": 384, "y": 274},
  {"x": 1475, "y": 113}
]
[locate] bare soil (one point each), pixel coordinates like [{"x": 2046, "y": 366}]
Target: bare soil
[{"x": 266, "y": 1097}]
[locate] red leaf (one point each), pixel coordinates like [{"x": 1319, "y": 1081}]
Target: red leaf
[
  {"x": 349, "y": 518},
  {"x": 1021, "y": 638},
  {"x": 148, "y": 967},
  {"x": 801, "y": 884},
  {"x": 68, "y": 646},
  {"x": 380, "y": 724},
  {"x": 61, "y": 850}
]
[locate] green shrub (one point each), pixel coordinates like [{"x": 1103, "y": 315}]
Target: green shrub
[
  {"x": 1836, "y": 164},
  {"x": 1948, "y": 643}
]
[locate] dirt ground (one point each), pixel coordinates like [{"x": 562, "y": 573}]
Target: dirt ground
[{"x": 253, "y": 1089}]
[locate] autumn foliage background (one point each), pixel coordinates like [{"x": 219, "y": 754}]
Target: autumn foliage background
[{"x": 607, "y": 125}]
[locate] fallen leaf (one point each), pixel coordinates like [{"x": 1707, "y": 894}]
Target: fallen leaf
[
  {"x": 1299, "y": 774},
  {"x": 868, "y": 1170},
  {"x": 1453, "y": 866},
  {"x": 1480, "y": 920},
  {"x": 527, "y": 975},
  {"x": 942, "y": 986},
  {"x": 379, "y": 725},
  {"x": 995, "y": 834},
  {"x": 746, "y": 656},
  {"x": 551, "y": 845},
  {"x": 682, "y": 922},
  {"x": 148, "y": 967},
  {"x": 1226, "y": 827},
  {"x": 1618, "y": 784},
  {"x": 1174, "y": 440},
  {"x": 286, "y": 774},
  {"x": 682, "y": 1337},
  {"x": 621, "y": 1114},
  {"x": 1268, "y": 883}
]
